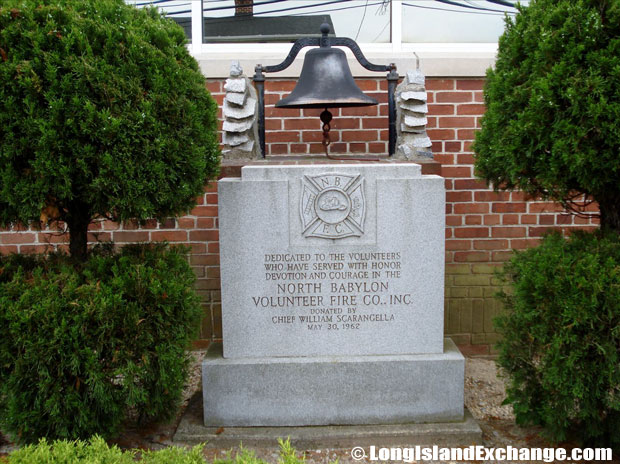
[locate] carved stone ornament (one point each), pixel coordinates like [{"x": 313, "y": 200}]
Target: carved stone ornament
[
  {"x": 412, "y": 142},
  {"x": 240, "y": 128},
  {"x": 332, "y": 206}
]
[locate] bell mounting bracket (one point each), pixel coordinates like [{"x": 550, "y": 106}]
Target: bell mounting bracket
[{"x": 326, "y": 41}]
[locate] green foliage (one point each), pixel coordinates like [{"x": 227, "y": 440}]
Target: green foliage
[
  {"x": 561, "y": 337},
  {"x": 288, "y": 455},
  {"x": 96, "y": 451},
  {"x": 103, "y": 112},
  {"x": 553, "y": 105},
  {"x": 174, "y": 455},
  {"x": 81, "y": 345}
]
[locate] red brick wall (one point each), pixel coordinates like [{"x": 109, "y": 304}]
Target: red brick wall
[
  {"x": 198, "y": 230},
  {"x": 295, "y": 131},
  {"x": 482, "y": 227}
]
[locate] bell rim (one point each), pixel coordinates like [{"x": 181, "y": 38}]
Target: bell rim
[{"x": 319, "y": 104}]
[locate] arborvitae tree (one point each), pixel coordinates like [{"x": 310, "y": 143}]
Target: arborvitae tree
[
  {"x": 103, "y": 113},
  {"x": 552, "y": 125}
]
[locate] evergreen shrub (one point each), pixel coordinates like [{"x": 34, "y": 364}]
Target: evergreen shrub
[
  {"x": 553, "y": 105},
  {"x": 561, "y": 337},
  {"x": 103, "y": 113},
  {"x": 83, "y": 345}
]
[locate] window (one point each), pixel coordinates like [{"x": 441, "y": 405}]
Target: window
[
  {"x": 366, "y": 21},
  {"x": 452, "y": 37},
  {"x": 289, "y": 20},
  {"x": 475, "y": 21}
]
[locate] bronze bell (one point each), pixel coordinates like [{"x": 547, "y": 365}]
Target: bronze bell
[{"x": 326, "y": 81}]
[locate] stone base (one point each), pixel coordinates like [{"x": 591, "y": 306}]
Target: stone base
[
  {"x": 343, "y": 390},
  {"x": 192, "y": 431}
]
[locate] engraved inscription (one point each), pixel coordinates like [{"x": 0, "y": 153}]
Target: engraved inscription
[
  {"x": 333, "y": 291},
  {"x": 332, "y": 206}
]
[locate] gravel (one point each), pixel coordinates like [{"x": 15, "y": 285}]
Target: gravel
[{"x": 485, "y": 391}]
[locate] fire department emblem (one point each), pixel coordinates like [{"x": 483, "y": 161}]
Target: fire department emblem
[{"x": 332, "y": 206}]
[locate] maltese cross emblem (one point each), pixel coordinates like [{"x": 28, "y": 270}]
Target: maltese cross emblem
[{"x": 332, "y": 206}]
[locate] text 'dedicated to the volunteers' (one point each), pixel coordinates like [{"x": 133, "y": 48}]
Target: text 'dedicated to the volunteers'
[{"x": 332, "y": 291}]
